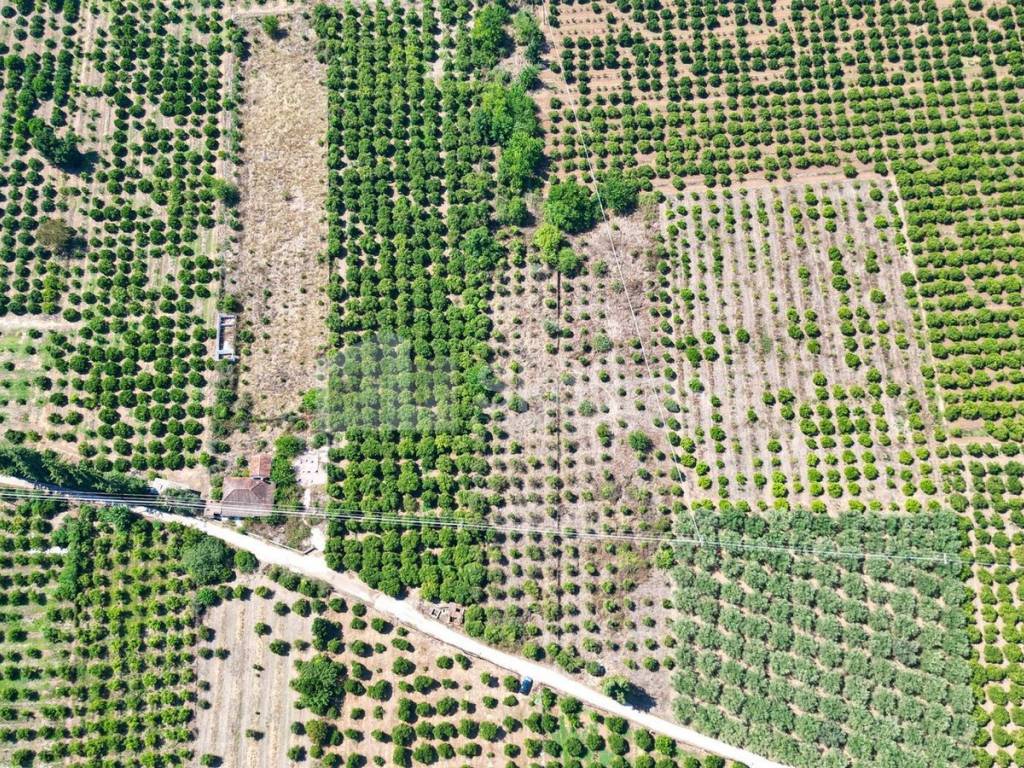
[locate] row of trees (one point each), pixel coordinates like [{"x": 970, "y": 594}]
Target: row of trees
[
  {"x": 129, "y": 389},
  {"x": 412, "y": 435},
  {"x": 81, "y": 647},
  {"x": 943, "y": 141},
  {"x": 794, "y": 667}
]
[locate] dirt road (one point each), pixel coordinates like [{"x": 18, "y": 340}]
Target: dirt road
[{"x": 313, "y": 565}]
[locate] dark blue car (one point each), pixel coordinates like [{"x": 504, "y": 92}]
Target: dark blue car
[{"x": 526, "y": 685}]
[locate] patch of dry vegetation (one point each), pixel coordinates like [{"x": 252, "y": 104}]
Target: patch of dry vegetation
[{"x": 278, "y": 270}]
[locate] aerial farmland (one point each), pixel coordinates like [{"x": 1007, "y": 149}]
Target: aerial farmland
[{"x": 463, "y": 383}]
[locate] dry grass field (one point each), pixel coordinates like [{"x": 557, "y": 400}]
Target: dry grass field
[
  {"x": 249, "y": 689},
  {"x": 278, "y": 269}
]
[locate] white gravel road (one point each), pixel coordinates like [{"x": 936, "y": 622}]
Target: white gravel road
[{"x": 313, "y": 565}]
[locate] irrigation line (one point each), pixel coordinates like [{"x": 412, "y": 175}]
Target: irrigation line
[
  {"x": 560, "y": 507},
  {"x": 695, "y": 542}
]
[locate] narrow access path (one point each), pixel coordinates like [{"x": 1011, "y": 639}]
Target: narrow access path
[
  {"x": 35, "y": 323},
  {"x": 314, "y": 566},
  {"x": 261, "y": 11}
]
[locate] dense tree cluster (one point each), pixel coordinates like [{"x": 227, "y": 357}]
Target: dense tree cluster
[
  {"x": 126, "y": 385},
  {"x": 411, "y": 378},
  {"x": 810, "y": 658},
  {"x": 123, "y": 670}
]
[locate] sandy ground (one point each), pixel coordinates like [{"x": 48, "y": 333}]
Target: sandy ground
[
  {"x": 311, "y": 468},
  {"x": 34, "y": 322}
]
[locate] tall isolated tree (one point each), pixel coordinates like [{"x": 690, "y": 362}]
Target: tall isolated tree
[
  {"x": 207, "y": 561},
  {"x": 619, "y": 191},
  {"x": 320, "y": 684},
  {"x": 571, "y": 207},
  {"x": 490, "y": 38}
]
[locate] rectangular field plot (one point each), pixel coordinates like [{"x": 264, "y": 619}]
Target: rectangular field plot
[
  {"x": 800, "y": 373},
  {"x": 824, "y": 662},
  {"x": 32, "y": 703},
  {"x": 278, "y": 270}
]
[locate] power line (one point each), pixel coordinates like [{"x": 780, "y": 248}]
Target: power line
[
  {"x": 625, "y": 290},
  {"x": 345, "y": 514}
]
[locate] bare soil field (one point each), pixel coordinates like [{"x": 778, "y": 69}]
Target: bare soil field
[
  {"x": 249, "y": 689},
  {"x": 278, "y": 271}
]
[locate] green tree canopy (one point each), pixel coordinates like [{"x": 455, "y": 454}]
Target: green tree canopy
[
  {"x": 56, "y": 236},
  {"x": 569, "y": 262},
  {"x": 246, "y": 562},
  {"x": 59, "y": 151},
  {"x": 506, "y": 110},
  {"x": 226, "y": 191},
  {"x": 548, "y": 240},
  {"x": 571, "y": 207},
  {"x": 319, "y": 684},
  {"x": 490, "y": 40},
  {"x": 271, "y": 26},
  {"x": 619, "y": 191},
  {"x": 528, "y": 34},
  {"x": 617, "y": 687},
  {"x": 208, "y": 561},
  {"x": 640, "y": 442},
  {"x": 519, "y": 160}
]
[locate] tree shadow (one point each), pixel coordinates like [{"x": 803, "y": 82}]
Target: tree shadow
[
  {"x": 81, "y": 163},
  {"x": 640, "y": 699}
]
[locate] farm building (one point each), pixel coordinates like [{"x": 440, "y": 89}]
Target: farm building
[
  {"x": 227, "y": 329},
  {"x": 251, "y": 496}
]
